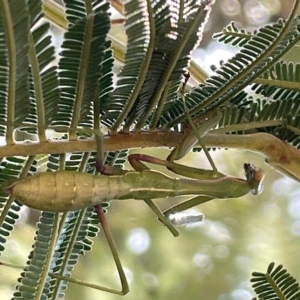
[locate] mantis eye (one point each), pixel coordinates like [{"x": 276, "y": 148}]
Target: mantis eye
[{"x": 254, "y": 177}]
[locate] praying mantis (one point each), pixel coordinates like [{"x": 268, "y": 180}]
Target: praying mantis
[{"x": 63, "y": 191}]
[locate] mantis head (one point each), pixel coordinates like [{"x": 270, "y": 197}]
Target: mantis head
[{"x": 254, "y": 177}]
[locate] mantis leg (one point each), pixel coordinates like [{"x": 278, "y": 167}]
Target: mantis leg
[
  {"x": 161, "y": 216},
  {"x": 102, "y": 219},
  {"x": 210, "y": 120},
  {"x": 109, "y": 170},
  {"x": 112, "y": 246},
  {"x": 187, "y": 204},
  {"x": 135, "y": 161},
  {"x": 100, "y": 166},
  {"x": 254, "y": 177},
  {"x": 198, "y": 135},
  {"x": 140, "y": 167}
]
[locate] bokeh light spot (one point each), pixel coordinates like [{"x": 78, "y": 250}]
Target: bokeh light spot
[
  {"x": 282, "y": 186},
  {"x": 216, "y": 230},
  {"x": 230, "y": 7},
  {"x": 241, "y": 262},
  {"x": 221, "y": 251},
  {"x": 296, "y": 228},
  {"x": 273, "y": 6},
  {"x": 272, "y": 212},
  {"x": 149, "y": 281},
  {"x": 294, "y": 207},
  {"x": 241, "y": 294},
  {"x": 256, "y": 12},
  {"x": 202, "y": 261},
  {"x": 138, "y": 240}
]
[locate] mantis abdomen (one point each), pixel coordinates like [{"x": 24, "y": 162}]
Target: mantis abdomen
[
  {"x": 65, "y": 190},
  {"x": 62, "y": 191}
]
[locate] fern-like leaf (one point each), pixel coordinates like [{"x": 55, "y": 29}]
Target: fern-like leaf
[
  {"x": 34, "y": 281},
  {"x": 106, "y": 79},
  {"x": 75, "y": 10},
  {"x": 281, "y": 81},
  {"x": 44, "y": 90},
  {"x": 267, "y": 45},
  {"x": 175, "y": 30},
  {"x": 188, "y": 33},
  {"x": 283, "y": 71},
  {"x": 137, "y": 30},
  {"x": 14, "y": 65},
  {"x": 83, "y": 51},
  {"x": 276, "y": 283},
  {"x": 233, "y": 36},
  {"x": 260, "y": 115},
  {"x": 74, "y": 241}
]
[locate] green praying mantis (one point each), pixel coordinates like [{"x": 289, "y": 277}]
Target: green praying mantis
[{"x": 63, "y": 191}]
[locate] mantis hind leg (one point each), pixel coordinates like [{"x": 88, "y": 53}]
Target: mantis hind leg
[
  {"x": 102, "y": 220},
  {"x": 113, "y": 249}
]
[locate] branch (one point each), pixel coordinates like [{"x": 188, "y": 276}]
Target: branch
[
  {"x": 278, "y": 154},
  {"x": 116, "y": 142}
]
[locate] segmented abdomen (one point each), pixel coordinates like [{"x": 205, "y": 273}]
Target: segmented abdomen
[{"x": 66, "y": 190}]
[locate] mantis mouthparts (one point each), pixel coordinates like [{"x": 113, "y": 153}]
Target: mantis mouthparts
[{"x": 254, "y": 177}]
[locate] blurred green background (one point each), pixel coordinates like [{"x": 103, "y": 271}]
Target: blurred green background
[{"x": 212, "y": 260}]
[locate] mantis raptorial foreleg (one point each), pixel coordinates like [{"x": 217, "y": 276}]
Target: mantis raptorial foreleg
[
  {"x": 109, "y": 170},
  {"x": 191, "y": 137},
  {"x": 135, "y": 160},
  {"x": 253, "y": 175},
  {"x": 254, "y": 178}
]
